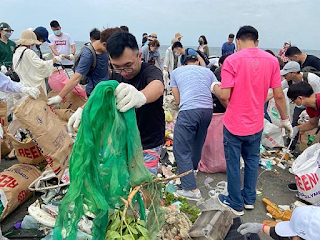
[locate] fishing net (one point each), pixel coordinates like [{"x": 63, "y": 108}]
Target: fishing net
[{"x": 106, "y": 162}]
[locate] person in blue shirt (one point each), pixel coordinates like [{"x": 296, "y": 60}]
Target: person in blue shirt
[
  {"x": 179, "y": 50},
  {"x": 190, "y": 85},
  {"x": 228, "y": 47}
]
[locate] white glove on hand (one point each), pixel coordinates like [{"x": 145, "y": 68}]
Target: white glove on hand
[
  {"x": 54, "y": 100},
  {"x": 250, "y": 228},
  {"x": 4, "y": 69},
  {"x": 212, "y": 86},
  {"x": 128, "y": 97},
  {"x": 71, "y": 57},
  {"x": 58, "y": 58},
  {"x": 32, "y": 91},
  {"x": 287, "y": 125},
  {"x": 74, "y": 120}
]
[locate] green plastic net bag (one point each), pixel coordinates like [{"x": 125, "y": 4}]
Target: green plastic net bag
[{"x": 106, "y": 161}]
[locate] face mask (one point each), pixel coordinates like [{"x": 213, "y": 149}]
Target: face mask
[
  {"x": 200, "y": 42},
  {"x": 153, "y": 49},
  {"x": 8, "y": 35},
  {"x": 177, "y": 54},
  {"x": 57, "y": 32}
]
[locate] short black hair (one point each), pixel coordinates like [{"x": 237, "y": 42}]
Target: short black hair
[
  {"x": 231, "y": 35},
  {"x": 176, "y": 45},
  {"x": 95, "y": 34},
  {"x": 124, "y": 28},
  {"x": 54, "y": 24},
  {"x": 190, "y": 58},
  {"x": 269, "y": 51},
  {"x": 303, "y": 89},
  {"x": 222, "y": 58},
  {"x": 204, "y": 39},
  {"x": 118, "y": 41},
  {"x": 144, "y": 34},
  {"x": 247, "y": 33},
  {"x": 292, "y": 51}
]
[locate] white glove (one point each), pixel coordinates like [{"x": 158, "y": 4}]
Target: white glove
[
  {"x": 287, "y": 125},
  {"x": 165, "y": 74},
  {"x": 32, "y": 91},
  {"x": 212, "y": 86},
  {"x": 4, "y": 69},
  {"x": 71, "y": 57},
  {"x": 54, "y": 100},
  {"x": 74, "y": 120},
  {"x": 128, "y": 97},
  {"x": 58, "y": 58}
]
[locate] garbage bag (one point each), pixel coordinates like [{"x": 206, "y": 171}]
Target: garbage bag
[
  {"x": 306, "y": 172},
  {"x": 106, "y": 161},
  {"x": 271, "y": 135}
]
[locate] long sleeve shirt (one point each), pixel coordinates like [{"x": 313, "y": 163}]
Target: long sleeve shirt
[{"x": 8, "y": 86}]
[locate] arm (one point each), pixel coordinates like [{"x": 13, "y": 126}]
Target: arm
[
  {"x": 206, "y": 50},
  {"x": 312, "y": 124},
  {"x": 176, "y": 94},
  {"x": 280, "y": 102},
  {"x": 53, "y": 49},
  {"x": 73, "y": 49},
  {"x": 201, "y": 61},
  {"x": 71, "y": 83},
  {"x": 6, "y": 85},
  {"x": 223, "y": 94},
  {"x": 153, "y": 91}
]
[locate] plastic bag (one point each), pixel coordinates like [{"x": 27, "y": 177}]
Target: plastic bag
[
  {"x": 273, "y": 111},
  {"x": 271, "y": 135},
  {"x": 306, "y": 169},
  {"x": 106, "y": 161}
]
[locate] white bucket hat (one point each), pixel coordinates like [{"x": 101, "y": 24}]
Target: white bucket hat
[{"x": 28, "y": 38}]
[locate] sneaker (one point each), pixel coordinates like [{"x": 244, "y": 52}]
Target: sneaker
[
  {"x": 249, "y": 206},
  {"x": 223, "y": 200},
  {"x": 292, "y": 187},
  {"x": 188, "y": 194}
]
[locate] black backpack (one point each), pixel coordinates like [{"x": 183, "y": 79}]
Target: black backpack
[
  {"x": 84, "y": 79},
  {"x": 202, "y": 55}
]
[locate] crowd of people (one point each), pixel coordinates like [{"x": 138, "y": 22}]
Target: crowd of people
[{"x": 239, "y": 87}]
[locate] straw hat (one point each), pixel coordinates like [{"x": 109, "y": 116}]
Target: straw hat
[
  {"x": 152, "y": 36},
  {"x": 178, "y": 35},
  {"x": 28, "y": 38},
  {"x": 174, "y": 40}
]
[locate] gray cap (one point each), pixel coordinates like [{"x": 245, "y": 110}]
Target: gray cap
[
  {"x": 5, "y": 26},
  {"x": 291, "y": 66}
]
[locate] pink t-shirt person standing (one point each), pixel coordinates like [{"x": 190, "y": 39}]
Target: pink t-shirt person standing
[{"x": 246, "y": 78}]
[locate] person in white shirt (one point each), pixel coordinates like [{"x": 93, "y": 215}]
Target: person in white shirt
[
  {"x": 32, "y": 70},
  {"x": 62, "y": 44}
]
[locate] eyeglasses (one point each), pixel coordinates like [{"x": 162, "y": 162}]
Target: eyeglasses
[
  {"x": 127, "y": 70},
  {"x": 292, "y": 100}
]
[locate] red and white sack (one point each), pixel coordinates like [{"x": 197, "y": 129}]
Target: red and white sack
[
  {"x": 47, "y": 131},
  {"x": 212, "y": 158},
  {"x": 306, "y": 169},
  {"x": 272, "y": 135},
  {"x": 14, "y": 183}
]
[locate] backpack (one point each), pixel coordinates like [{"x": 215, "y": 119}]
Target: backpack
[
  {"x": 308, "y": 69},
  {"x": 202, "y": 55},
  {"x": 84, "y": 79},
  {"x": 11, "y": 69}
]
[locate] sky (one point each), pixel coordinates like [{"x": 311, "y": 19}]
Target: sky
[{"x": 276, "y": 20}]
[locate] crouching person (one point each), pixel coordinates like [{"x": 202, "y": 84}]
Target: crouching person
[{"x": 191, "y": 89}]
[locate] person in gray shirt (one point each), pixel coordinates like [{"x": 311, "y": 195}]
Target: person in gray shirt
[{"x": 151, "y": 55}]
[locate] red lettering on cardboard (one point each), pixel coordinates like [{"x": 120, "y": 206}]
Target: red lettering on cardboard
[
  {"x": 6, "y": 181},
  {"x": 13, "y": 184},
  {"x": 35, "y": 152}
]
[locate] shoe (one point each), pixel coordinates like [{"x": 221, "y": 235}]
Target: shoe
[
  {"x": 223, "y": 200},
  {"x": 188, "y": 194},
  {"x": 292, "y": 187},
  {"x": 249, "y": 206}
]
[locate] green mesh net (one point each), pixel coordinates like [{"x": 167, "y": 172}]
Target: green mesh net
[{"x": 106, "y": 161}]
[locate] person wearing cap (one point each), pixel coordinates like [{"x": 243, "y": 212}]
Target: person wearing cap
[
  {"x": 144, "y": 39},
  {"x": 6, "y": 45},
  {"x": 190, "y": 85},
  {"x": 62, "y": 44},
  {"x": 42, "y": 36},
  {"x": 282, "y": 52},
  {"x": 171, "y": 62},
  {"x": 178, "y": 36},
  {"x": 179, "y": 50},
  {"x": 304, "y": 224},
  {"x": 30, "y": 68},
  {"x": 151, "y": 54},
  {"x": 152, "y": 36},
  {"x": 228, "y": 47},
  {"x": 305, "y": 60}
]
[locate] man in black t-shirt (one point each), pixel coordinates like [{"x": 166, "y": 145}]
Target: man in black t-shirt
[
  {"x": 141, "y": 86},
  {"x": 295, "y": 54}
]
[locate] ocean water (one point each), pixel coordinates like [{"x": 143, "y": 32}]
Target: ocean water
[{"x": 214, "y": 51}]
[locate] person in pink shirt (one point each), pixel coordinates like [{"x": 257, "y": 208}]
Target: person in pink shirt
[{"x": 246, "y": 78}]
